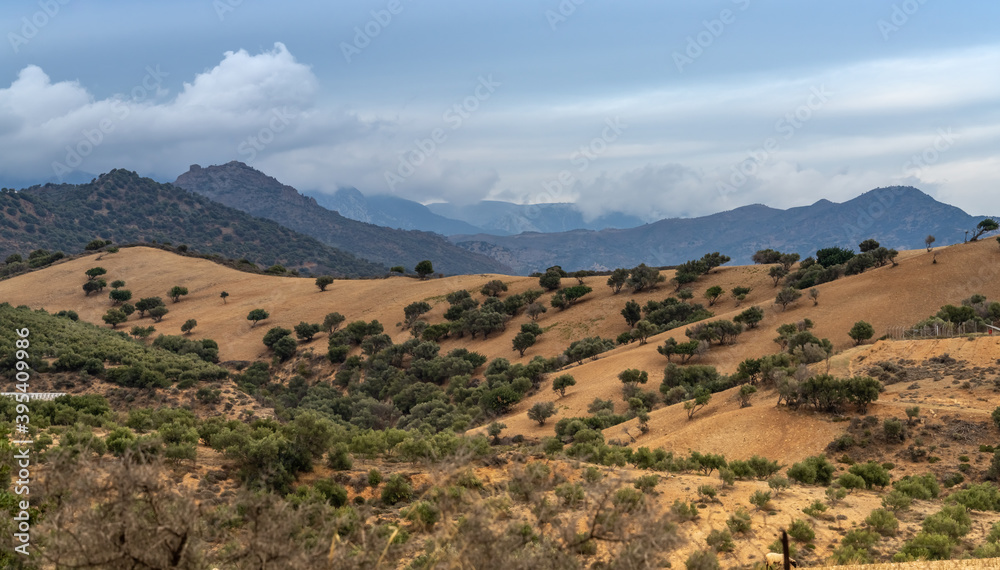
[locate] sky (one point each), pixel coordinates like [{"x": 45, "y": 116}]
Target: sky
[{"x": 652, "y": 108}]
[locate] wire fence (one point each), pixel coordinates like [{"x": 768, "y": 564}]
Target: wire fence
[
  {"x": 943, "y": 330},
  {"x": 34, "y": 395}
]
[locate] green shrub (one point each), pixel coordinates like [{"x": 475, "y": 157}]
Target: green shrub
[
  {"x": 872, "y": 472},
  {"x": 801, "y": 531},
  {"x": 702, "y": 560},
  {"x": 721, "y": 540},
  {"x": 739, "y": 522},
  {"x": 952, "y": 520},
  {"x": 396, "y": 490},
  {"x": 812, "y": 471},
  {"x": 883, "y": 522}
]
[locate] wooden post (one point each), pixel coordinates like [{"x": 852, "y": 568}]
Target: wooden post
[{"x": 784, "y": 549}]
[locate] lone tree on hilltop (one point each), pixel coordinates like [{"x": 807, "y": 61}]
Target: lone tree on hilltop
[
  {"x": 257, "y": 315},
  {"x": 861, "y": 331},
  {"x": 323, "y": 282},
  {"x": 929, "y": 240},
  {"x": 787, "y": 260},
  {"x": 562, "y": 382},
  {"x": 493, "y": 288},
  {"x": 176, "y": 292},
  {"x": 766, "y": 257},
  {"x": 550, "y": 280},
  {"x": 987, "y": 225},
  {"x": 787, "y": 296},
  {"x": 424, "y": 268},
  {"x": 188, "y": 326},
  {"x": 869, "y": 245}
]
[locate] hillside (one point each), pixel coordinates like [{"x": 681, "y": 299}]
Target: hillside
[
  {"x": 239, "y": 186},
  {"x": 955, "y": 397},
  {"x": 898, "y": 217},
  {"x": 125, "y": 208}
]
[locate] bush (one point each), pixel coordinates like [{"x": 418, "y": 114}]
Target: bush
[
  {"x": 721, "y": 540},
  {"x": 760, "y": 499},
  {"x": 952, "y": 520},
  {"x": 872, "y": 472},
  {"x": 883, "y": 522},
  {"x": 396, "y": 490},
  {"x": 339, "y": 458},
  {"x": 801, "y": 531},
  {"x": 739, "y": 522},
  {"x": 812, "y": 471},
  {"x": 702, "y": 560}
]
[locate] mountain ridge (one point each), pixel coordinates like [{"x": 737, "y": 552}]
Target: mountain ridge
[
  {"x": 898, "y": 216},
  {"x": 240, "y": 186},
  {"x": 122, "y": 206}
]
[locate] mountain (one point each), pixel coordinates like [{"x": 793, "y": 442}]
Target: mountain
[
  {"x": 505, "y": 218},
  {"x": 898, "y": 217},
  {"x": 390, "y": 211},
  {"x": 239, "y": 186},
  {"x": 125, "y": 208}
]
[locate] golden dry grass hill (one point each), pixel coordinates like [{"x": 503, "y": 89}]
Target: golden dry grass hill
[{"x": 954, "y": 399}]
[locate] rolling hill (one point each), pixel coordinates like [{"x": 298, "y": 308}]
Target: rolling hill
[
  {"x": 239, "y": 186},
  {"x": 951, "y": 397},
  {"x": 125, "y": 208},
  {"x": 898, "y": 217}
]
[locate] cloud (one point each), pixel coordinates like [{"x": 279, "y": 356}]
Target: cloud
[{"x": 244, "y": 107}]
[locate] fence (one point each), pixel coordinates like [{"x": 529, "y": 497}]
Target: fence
[{"x": 35, "y": 395}]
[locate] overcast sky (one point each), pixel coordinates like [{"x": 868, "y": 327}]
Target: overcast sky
[{"x": 654, "y": 108}]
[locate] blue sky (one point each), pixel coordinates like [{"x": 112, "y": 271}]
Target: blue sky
[{"x": 656, "y": 109}]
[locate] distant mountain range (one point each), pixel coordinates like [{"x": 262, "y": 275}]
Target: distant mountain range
[
  {"x": 488, "y": 216},
  {"x": 239, "y": 186},
  {"x": 898, "y": 217},
  {"x": 126, "y": 208}
]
